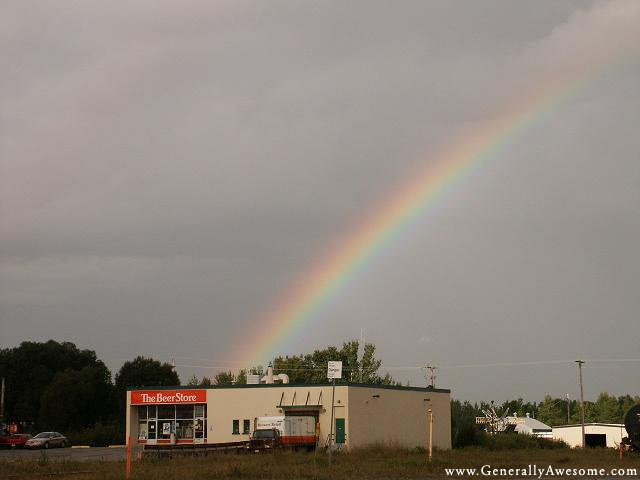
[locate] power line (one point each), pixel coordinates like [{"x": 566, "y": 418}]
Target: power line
[{"x": 418, "y": 367}]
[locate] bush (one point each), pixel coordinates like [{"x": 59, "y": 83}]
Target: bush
[
  {"x": 102, "y": 435},
  {"x": 514, "y": 441}
]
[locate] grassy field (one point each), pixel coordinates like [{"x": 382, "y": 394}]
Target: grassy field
[{"x": 378, "y": 463}]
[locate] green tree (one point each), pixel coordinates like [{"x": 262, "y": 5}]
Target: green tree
[
  {"x": 28, "y": 370},
  {"x": 195, "y": 382},
  {"x": 143, "y": 372},
  {"x": 464, "y": 431},
  {"x": 77, "y": 399},
  {"x": 146, "y": 372},
  {"x": 607, "y": 409},
  {"x": 520, "y": 407},
  {"x": 626, "y": 402},
  {"x": 224, "y": 378},
  {"x": 552, "y": 411},
  {"x": 312, "y": 367}
]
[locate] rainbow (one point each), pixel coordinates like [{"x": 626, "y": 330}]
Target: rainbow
[{"x": 400, "y": 210}]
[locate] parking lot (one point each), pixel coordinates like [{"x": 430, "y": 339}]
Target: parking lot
[{"x": 57, "y": 454}]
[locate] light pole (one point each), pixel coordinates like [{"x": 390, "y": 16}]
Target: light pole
[
  {"x": 430, "y": 411},
  {"x": 430, "y": 423},
  {"x": 580, "y": 362},
  {"x": 568, "y": 410}
]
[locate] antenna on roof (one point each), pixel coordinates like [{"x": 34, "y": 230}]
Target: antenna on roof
[{"x": 431, "y": 376}]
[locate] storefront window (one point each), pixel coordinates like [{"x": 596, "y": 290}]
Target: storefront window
[
  {"x": 164, "y": 429},
  {"x": 184, "y": 412},
  {"x": 143, "y": 431},
  {"x": 166, "y": 412},
  {"x": 200, "y": 427},
  {"x": 184, "y": 429},
  {"x": 200, "y": 411},
  {"x": 160, "y": 421}
]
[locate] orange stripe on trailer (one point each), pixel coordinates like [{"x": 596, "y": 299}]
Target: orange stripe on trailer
[{"x": 298, "y": 440}]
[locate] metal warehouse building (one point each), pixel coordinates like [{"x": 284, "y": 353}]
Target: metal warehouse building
[
  {"x": 363, "y": 414},
  {"x": 596, "y": 434}
]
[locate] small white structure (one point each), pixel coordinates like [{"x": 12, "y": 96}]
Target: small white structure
[
  {"x": 531, "y": 426},
  {"x": 596, "y": 434}
]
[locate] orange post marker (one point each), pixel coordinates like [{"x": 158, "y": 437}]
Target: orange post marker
[
  {"x": 129, "y": 455},
  {"x": 620, "y": 450}
]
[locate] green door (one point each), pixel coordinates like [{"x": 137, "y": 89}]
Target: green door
[{"x": 340, "y": 433}]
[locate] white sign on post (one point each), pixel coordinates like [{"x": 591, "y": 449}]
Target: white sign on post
[{"x": 334, "y": 370}]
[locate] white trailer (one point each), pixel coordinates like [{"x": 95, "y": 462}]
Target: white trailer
[{"x": 294, "y": 431}]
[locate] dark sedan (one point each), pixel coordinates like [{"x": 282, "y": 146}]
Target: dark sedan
[{"x": 47, "y": 440}]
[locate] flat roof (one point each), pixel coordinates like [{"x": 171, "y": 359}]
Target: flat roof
[
  {"x": 294, "y": 385},
  {"x": 592, "y": 424}
]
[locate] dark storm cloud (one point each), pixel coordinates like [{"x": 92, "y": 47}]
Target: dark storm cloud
[{"x": 168, "y": 169}]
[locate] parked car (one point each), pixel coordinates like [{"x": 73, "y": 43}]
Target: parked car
[
  {"x": 47, "y": 440},
  {"x": 17, "y": 440}
]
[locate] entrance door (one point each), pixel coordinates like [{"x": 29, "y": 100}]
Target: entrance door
[
  {"x": 199, "y": 424},
  {"x": 152, "y": 432},
  {"x": 595, "y": 440},
  {"x": 340, "y": 431}
]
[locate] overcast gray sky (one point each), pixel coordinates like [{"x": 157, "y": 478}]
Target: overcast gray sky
[{"x": 169, "y": 169}]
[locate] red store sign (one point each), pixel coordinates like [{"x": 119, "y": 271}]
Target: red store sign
[{"x": 155, "y": 397}]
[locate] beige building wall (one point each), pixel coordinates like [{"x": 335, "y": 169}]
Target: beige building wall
[
  {"x": 132, "y": 421},
  {"x": 227, "y": 404},
  {"x": 398, "y": 417}
]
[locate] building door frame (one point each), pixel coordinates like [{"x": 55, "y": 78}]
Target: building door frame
[
  {"x": 152, "y": 424},
  {"x": 199, "y": 424},
  {"x": 341, "y": 431}
]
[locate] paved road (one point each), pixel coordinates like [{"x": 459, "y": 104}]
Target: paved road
[{"x": 53, "y": 454}]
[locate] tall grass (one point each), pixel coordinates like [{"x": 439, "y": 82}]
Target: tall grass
[
  {"x": 373, "y": 462},
  {"x": 514, "y": 441}
]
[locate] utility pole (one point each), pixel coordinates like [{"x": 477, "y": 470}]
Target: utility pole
[
  {"x": 2, "y": 403},
  {"x": 333, "y": 397},
  {"x": 568, "y": 410},
  {"x": 580, "y": 362},
  {"x": 334, "y": 370},
  {"x": 362, "y": 340}
]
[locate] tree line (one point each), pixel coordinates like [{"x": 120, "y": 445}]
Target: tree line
[
  {"x": 312, "y": 367},
  {"x": 551, "y": 411},
  {"x": 57, "y": 386}
]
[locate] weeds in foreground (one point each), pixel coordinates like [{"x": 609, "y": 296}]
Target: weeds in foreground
[{"x": 375, "y": 462}]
